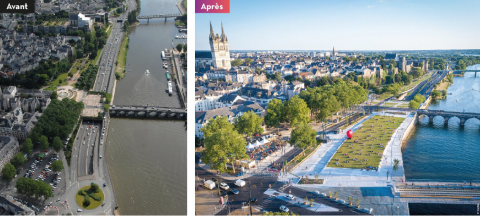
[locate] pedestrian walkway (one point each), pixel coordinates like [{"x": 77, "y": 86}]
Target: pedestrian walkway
[
  {"x": 347, "y": 177},
  {"x": 206, "y": 201},
  {"x": 260, "y": 169}
]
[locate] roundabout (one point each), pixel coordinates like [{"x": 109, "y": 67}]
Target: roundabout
[{"x": 90, "y": 196}]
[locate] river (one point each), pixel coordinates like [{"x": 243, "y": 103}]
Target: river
[
  {"x": 147, "y": 158},
  {"x": 441, "y": 152}
]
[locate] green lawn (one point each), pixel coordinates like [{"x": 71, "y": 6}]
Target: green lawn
[
  {"x": 403, "y": 105},
  {"x": 384, "y": 96},
  {"x": 62, "y": 77},
  {"x": 122, "y": 58},
  {"x": 93, "y": 203},
  {"x": 389, "y": 104},
  {"x": 374, "y": 133},
  {"x": 51, "y": 88}
]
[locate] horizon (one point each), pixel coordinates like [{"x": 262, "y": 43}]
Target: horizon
[{"x": 357, "y": 25}]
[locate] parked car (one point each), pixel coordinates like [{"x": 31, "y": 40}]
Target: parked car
[
  {"x": 290, "y": 197},
  {"x": 234, "y": 191},
  {"x": 224, "y": 186},
  {"x": 284, "y": 208}
]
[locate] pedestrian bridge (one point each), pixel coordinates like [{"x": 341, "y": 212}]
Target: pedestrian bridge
[
  {"x": 148, "y": 17},
  {"x": 150, "y": 112},
  {"x": 447, "y": 115}
]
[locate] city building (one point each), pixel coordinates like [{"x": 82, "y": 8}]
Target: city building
[{"x": 8, "y": 148}]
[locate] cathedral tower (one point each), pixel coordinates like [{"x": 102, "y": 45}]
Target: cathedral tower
[{"x": 219, "y": 49}]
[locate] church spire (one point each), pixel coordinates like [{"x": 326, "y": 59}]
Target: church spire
[
  {"x": 224, "y": 38},
  {"x": 333, "y": 54},
  {"x": 211, "y": 31}
]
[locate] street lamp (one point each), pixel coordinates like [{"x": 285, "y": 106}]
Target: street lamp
[{"x": 250, "y": 197}]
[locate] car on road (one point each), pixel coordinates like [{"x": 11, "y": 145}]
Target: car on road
[
  {"x": 224, "y": 186},
  {"x": 252, "y": 200},
  {"x": 341, "y": 201},
  {"x": 284, "y": 209},
  {"x": 79, "y": 210},
  {"x": 290, "y": 197},
  {"x": 234, "y": 191},
  {"x": 103, "y": 204}
]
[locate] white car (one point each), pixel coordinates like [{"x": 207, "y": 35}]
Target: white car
[
  {"x": 290, "y": 197},
  {"x": 224, "y": 186},
  {"x": 284, "y": 208}
]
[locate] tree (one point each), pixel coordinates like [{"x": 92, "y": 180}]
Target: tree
[
  {"x": 296, "y": 111},
  {"x": 248, "y": 61},
  {"x": 8, "y": 172},
  {"x": 236, "y": 62},
  {"x": 54, "y": 95},
  {"x": 27, "y": 146},
  {"x": 94, "y": 187},
  {"x": 179, "y": 47},
  {"x": 57, "y": 144},
  {"x": 249, "y": 123},
  {"x": 31, "y": 187},
  {"x": 419, "y": 98},
  {"x": 357, "y": 201},
  {"x": 215, "y": 125},
  {"x": 43, "y": 143},
  {"x": 57, "y": 166},
  {"x": 222, "y": 146},
  {"x": 413, "y": 105},
  {"x": 350, "y": 200},
  {"x": 275, "y": 111},
  {"x": 18, "y": 160},
  {"x": 185, "y": 48},
  {"x": 395, "y": 165},
  {"x": 436, "y": 94},
  {"x": 303, "y": 136}
]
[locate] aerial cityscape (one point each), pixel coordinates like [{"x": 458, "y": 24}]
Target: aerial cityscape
[
  {"x": 337, "y": 108},
  {"x": 93, "y": 108}
]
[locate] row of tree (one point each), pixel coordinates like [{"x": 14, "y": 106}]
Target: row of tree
[
  {"x": 57, "y": 120},
  {"x": 417, "y": 100},
  {"x": 327, "y": 100},
  {"x": 87, "y": 78},
  {"x": 33, "y": 188}
]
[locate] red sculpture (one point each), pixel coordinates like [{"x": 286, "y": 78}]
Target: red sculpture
[{"x": 349, "y": 134}]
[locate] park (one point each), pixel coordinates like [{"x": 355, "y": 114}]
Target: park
[{"x": 365, "y": 149}]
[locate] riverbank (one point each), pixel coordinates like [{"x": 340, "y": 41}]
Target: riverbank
[{"x": 122, "y": 58}]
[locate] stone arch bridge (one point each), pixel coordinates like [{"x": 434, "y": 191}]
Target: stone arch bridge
[
  {"x": 447, "y": 115},
  {"x": 149, "y": 112}
]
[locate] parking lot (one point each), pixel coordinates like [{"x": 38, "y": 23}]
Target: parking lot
[{"x": 39, "y": 168}]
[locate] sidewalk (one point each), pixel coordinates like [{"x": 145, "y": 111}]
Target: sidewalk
[{"x": 261, "y": 166}]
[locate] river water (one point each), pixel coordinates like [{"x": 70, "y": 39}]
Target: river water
[
  {"x": 147, "y": 158},
  {"x": 447, "y": 152},
  {"x": 441, "y": 152}
]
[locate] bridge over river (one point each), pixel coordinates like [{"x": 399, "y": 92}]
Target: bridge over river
[
  {"x": 151, "y": 112},
  {"x": 148, "y": 17},
  {"x": 463, "y": 116}
]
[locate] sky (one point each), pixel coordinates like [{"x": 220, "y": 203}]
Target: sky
[{"x": 345, "y": 24}]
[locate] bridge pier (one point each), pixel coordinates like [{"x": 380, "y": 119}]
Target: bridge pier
[
  {"x": 165, "y": 19},
  {"x": 462, "y": 122},
  {"x": 430, "y": 119},
  {"x": 446, "y": 120}
]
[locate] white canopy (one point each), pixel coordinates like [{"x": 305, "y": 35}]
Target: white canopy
[
  {"x": 265, "y": 141},
  {"x": 250, "y": 146},
  {"x": 257, "y": 144}
]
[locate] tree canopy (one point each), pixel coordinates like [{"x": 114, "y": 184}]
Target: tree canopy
[
  {"x": 249, "y": 123},
  {"x": 18, "y": 160},
  {"x": 215, "y": 125},
  {"x": 57, "y": 166},
  {"x": 8, "y": 172},
  {"x": 33, "y": 188},
  {"x": 296, "y": 111},
  {"x": 27, "y": 146},
  {"x": 275, "y": 113},
  {"x": 303, "y": 136},
  {"x": 57, "y": 144}
]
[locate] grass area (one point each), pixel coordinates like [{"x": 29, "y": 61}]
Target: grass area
[
  {"x": 442, "y": 86},
  {"x": 414, "y": 83},
  {"x": 389, "y": 104},
  {"x": 367, "y": 143},
  {"x": 122, "y": 58},
  {"x": 310, "y": 181},
  {"x": 384, "y": 96},
  {"x": 51, "y": 88},
  {"x": 93, "y": 203},
  {"x": 402, "y": 106},
  {"x": 62, "y": 77},
  {"x": 179, "y": 23}
]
